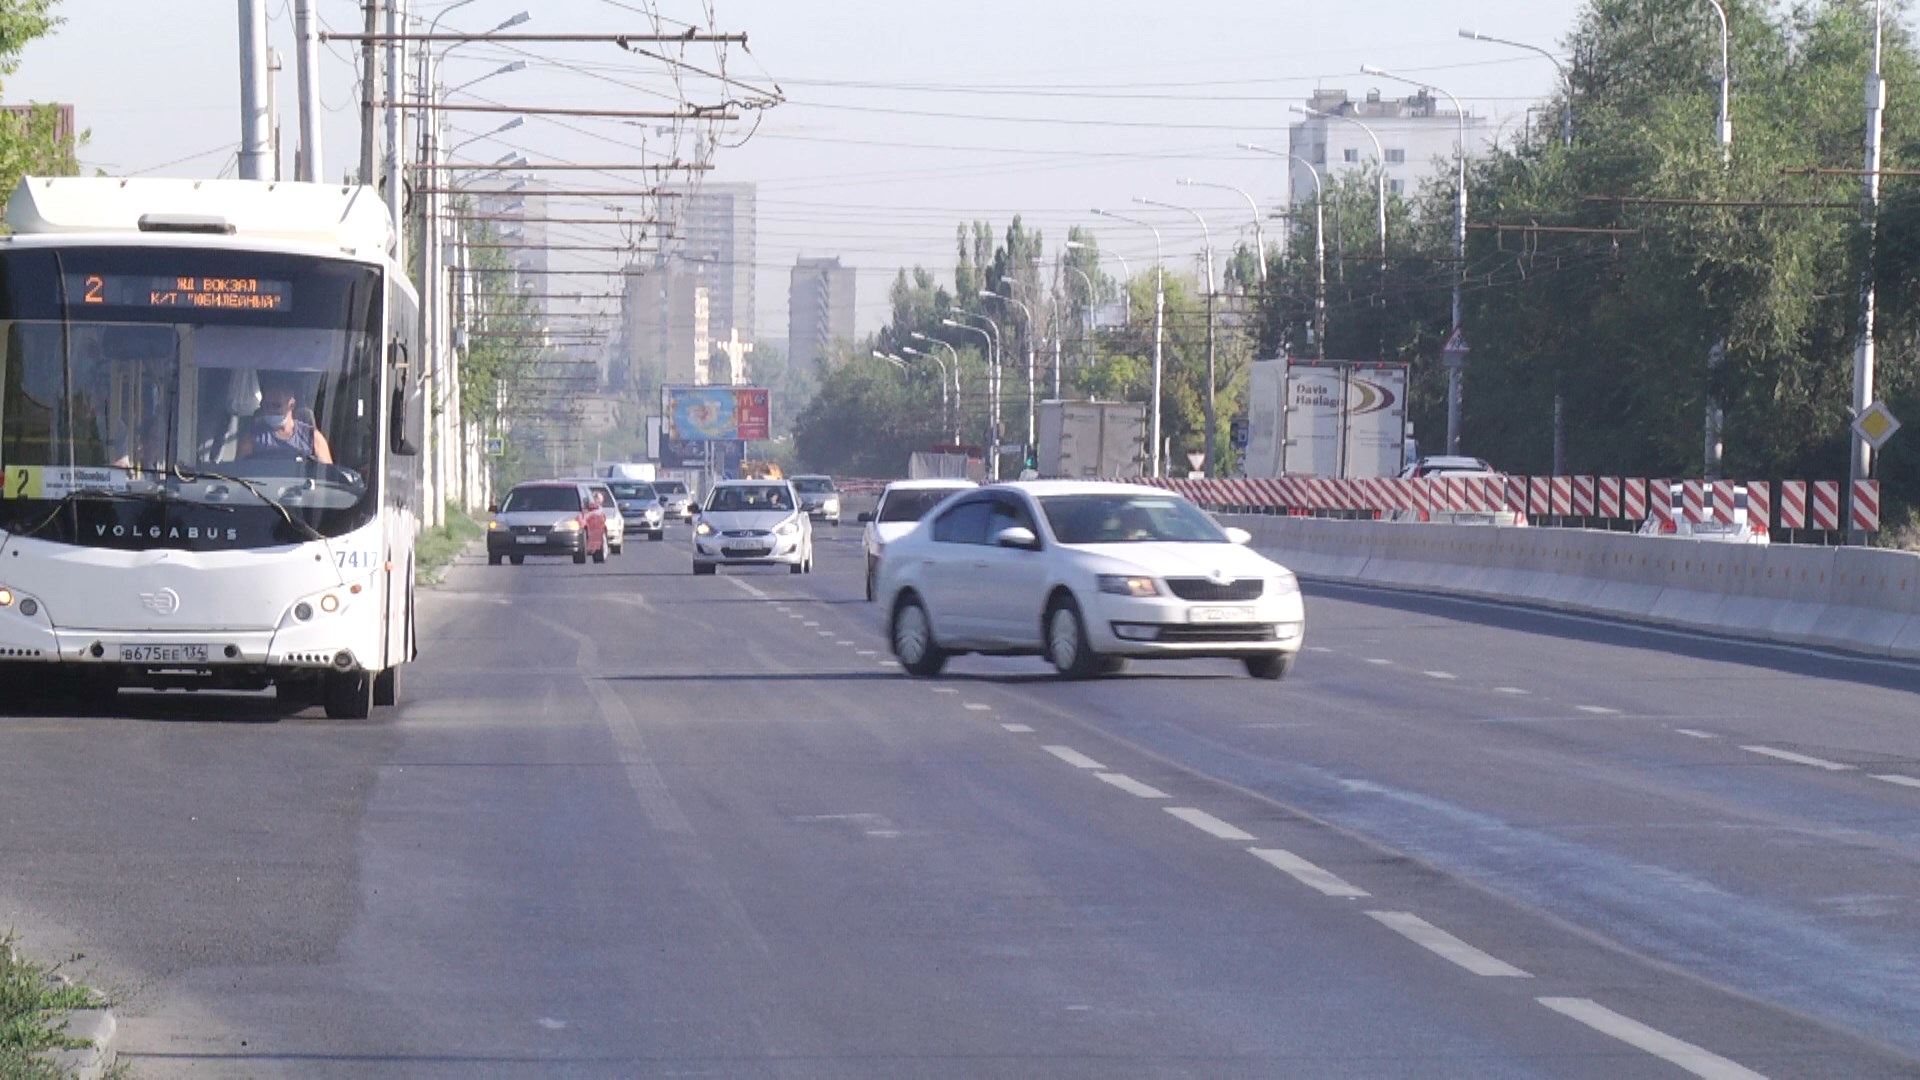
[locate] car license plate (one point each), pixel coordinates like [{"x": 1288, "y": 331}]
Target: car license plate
[
  {"x": 163, "y": 654},
  {"x": 745, "y": 545},
  {"x": 530, "y": 539},
  {"x": 1220, "y": 614}
]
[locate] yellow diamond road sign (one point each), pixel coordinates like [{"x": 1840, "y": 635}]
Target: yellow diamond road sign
[{"x": 1876, "y": 425}]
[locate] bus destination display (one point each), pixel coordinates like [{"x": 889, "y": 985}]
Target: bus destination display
[{"x": 186, "y": 291}]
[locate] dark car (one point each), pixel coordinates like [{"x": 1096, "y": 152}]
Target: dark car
[{"x": 548, "y": 517}]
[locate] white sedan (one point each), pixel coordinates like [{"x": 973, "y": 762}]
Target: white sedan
[
  {"x": 1085, "y": 574},
  {"x": 901, "y": 506},
  {"x": 752, "y": 523}
]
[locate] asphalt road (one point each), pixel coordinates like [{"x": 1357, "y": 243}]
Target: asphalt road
[{"x": 630, "y": 822}]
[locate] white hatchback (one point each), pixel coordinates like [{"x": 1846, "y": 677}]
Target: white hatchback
[{"x": 1085, "y": 574}]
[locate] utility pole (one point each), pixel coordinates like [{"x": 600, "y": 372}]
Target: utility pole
[
  {"x": 1860, "y": 461},
  {"x": 369, "y": 94},
  {"x": 274, "y": 68},
  {"x": 306, "y": 164},
  {"x": 255, "y": 120},
  {"x": 1717, "y": 354},
  {"x": 396, "y": 174}
]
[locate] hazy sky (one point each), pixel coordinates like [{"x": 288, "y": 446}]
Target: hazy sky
[{"x": 902, "y": 119}]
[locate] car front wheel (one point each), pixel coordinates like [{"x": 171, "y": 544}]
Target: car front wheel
[
  {"x": 913, "y": 644},
  {"x": 1067, "y": 644},
  {"x": 1270, "y": 666}
]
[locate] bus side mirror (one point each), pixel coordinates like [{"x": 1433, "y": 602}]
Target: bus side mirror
[{"x": 407, "y": 429}]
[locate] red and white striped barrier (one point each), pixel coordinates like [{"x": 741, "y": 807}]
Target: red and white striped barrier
[
  {"x": 1583, "y": 500},
  {"x": 1759, "y": 505},
  {"x": 1721, "y": 494},
  {"x": 1633, "y": 498},
  {"x": 1793, "y": 504},
  {"x": 1866, "y": 505},
  {"x": 1826, "y": 504}
]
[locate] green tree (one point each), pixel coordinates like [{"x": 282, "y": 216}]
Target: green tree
[{"x": 30, "y": 142}]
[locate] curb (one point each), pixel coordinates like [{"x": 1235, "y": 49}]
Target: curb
[
  {"x": 98, "y": 1028},
  {"x": 430, "y": 578}
]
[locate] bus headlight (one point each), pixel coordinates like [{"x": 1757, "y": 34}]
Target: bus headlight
[{"x": 6, "y": 597}]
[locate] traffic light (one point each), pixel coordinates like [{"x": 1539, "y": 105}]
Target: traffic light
[{"x": 1032, "y": 458}]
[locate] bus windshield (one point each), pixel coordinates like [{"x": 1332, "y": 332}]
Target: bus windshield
[{"x": 142, "y": 388}]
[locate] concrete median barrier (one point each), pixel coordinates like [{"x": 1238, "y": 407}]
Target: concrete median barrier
[{"x": 1856, "y": 599}]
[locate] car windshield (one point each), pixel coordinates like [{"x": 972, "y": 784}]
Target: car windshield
[
  {"x": 633, "y": 492},
  {"x": 912, "y": 504},
  {"x": 750, "y": 499},
  {"x": 670, "y": 487},
  {"x": 1128, "y": 519},
  {"x": 539, "y": 500},
  {"x": 812, "y": 485}
]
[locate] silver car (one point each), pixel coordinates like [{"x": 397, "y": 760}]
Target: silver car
[
  {"x": 819, "y": 498},
  {"x": 640, "y": 504},
  {"x": 675, "y": 499},
  {"x": 752, "y": 523}
]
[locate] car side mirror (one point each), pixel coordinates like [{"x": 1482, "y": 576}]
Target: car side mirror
[
  {"x": 493, "y": 508},
  {"x": 407, "y": 431},
  {"x": 1016, "y": 536},
  {"x": 1237, "y": 535},
  {"x": 694, "y": 510},
  {"x": 865, "y": 518}
]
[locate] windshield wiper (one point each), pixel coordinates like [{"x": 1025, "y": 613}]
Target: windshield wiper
[
  {"x": 107, "y": 494},
  {"x": 254, "y": 490}
]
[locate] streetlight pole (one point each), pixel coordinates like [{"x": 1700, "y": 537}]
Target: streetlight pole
[
  {"x": 1259, "y": 234},
  {"x": 1028, "y": 313},
  {"x": 993, "y": 388},
  {"x": 1159, "y": 321},
  {"x": 959, "y": 400},
  {"x": 1086, "y": 320},
  {"x": 1206, "y": 235},
  {"x": 1459, "y": 247},
  {"x": 1566, "y": 77},
  {"x": 1724, "y": 128},
  {"x": 1714, "y": 451},
  {"x": 945, "y": 410},
  {"x": 1860, "y": 461},
  {"x": 1380, "y": 185},
  {"x": 1319, "y": 246}
]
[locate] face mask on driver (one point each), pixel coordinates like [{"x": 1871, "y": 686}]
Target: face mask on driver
[{"x": 274, "y": 420}]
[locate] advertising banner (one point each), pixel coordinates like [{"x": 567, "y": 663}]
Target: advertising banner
[
  {"x": 692, "y": 454},
  {"x": 717, "y": 413}
]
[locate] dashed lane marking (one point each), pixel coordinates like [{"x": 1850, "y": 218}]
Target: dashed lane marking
[
  {"x": 1445, "y": 945},
  {"x": 1678, "y": 1052},
  {"x": 1694, "y": 733},
  {"x": 1446, "y": 675},
  {"x": 1513, "y": 691},
  {"x": 975, "y": 706},
  {"x": 1379, "y": 662},
  {"x": 1209, "y": 824},
  {"x": 809, "y": 622},
  {"x": 1314, "y": 877},
  {"x": 1798, "y": 759},
  {"x": 1318, "y": 648},
  {"x": 1132, "y": 787},
  {"x": 1598, "y": 710},
  {"x": 1073, "y": 757},
  {"x": 1018, "y": 729},
  {"x": 866, "y": 652},
  {"x": 824, "y": 633},
  {"x": 749, "y": 589},
  {"x": 847, "y": 644},
  {"x": 889, "y": 663},
  {"x": 1896, "y": 778},
  {"x": 945, "y": 690}
]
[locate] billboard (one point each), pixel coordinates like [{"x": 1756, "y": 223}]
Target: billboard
[
  {"x": 692, "y": 454},
  {"x": 718, "y": 413}
]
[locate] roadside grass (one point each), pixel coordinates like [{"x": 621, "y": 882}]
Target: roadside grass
[
  {"x": 1902, "y": 531},
  {"x": 437, "y": 547},
  {"x": 32, "y": 1010}
]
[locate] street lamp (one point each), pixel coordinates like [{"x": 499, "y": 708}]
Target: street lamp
[
  {"x": 1566, "y": 106},
  {"x": 1207, "y": 237},
  {"x": 1159, "y": 321},
  {"x": 993, "y": 385},
  {"x": 504, "y": 69},
  {"x": 1459, "y": 246},
  {"x": 1379, "y": 156},
  {"x": 959, "y": 401},
  {"x": 1724, "y": 129},
  {"x": 1259, "y": 235},
  {"x": 945, "y": 409},
  {"x": 1086, "y": 331},
  {"x": 891, "y": 359},
  {"x": 1319, "y": 246},
  {"x": 1032, "y": 434},
  {"x": 508, "y": 126},
  {"x": 1126, "y": 270}
]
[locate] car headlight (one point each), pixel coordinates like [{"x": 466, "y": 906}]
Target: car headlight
[
  {"x": 833, "y": 502},
  {"x": 569, "y": 525},
  {"x": 1123, "y": 585},
  {"x": 1286, "y": 585},
  {"x": 495, "y": 526},
  {"x": 788, "y": 527},
  {"x": 703, "y": 529}
]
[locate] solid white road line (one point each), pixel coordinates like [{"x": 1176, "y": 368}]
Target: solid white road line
[
  {"x": 1073, "y": 757},
  {"x": 1598, "y": 710},
  {"x": 974, "y": 706},
  {"x": 1445, "y": 945},
  {"x": 1207, "y": 823},
  {"x": 1798, "y": 759},
  {"x": 1018, "y": 729},
  {"x": 1512, "y": 690},
  {"x": 1306, "y": 873},
  {"x": 1131, "y": 786},
  {"x": 1641, "y": 1037},
  {"x": 1692, "y": 733},
  {"x": 1440, "y": 675},
  {"x": 1896, "y": 778}
]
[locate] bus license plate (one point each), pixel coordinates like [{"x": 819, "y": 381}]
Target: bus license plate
[
  {"x": 163, "y": 654},
  {"x": 1220, "y": 615}
]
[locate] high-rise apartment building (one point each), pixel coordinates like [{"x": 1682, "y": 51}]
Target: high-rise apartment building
[
  {"x": 819, "y": 310},
  {"x": 1416, "y": 139},
  {"x": 714, "y": 237}
]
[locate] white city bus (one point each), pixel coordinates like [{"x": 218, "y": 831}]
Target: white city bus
[{"x": 208, "y": 429}]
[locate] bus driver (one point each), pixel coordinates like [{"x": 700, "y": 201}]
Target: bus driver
[{"x": 281, "y": 432}]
